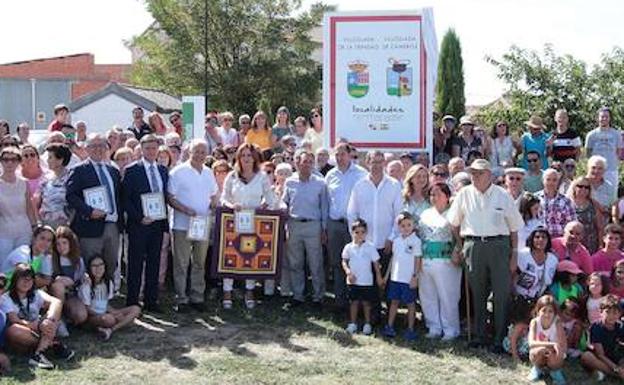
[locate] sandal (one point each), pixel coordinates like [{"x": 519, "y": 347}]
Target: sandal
[{"x": 105, "y": 333}]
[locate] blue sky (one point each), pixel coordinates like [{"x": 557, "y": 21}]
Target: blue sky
[{"x": 584, "y": 29}]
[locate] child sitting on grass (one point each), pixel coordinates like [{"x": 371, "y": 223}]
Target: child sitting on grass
[
  {"x": 606, "y": 353},
  {"x": 357, "y": 259},
  {"x": 95, "y": 292},
  {"x": 547, "y": 341},
  {"x": 405, "y": 265}
]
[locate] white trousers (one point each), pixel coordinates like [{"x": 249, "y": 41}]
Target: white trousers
[{"x": 440, "y": 291}]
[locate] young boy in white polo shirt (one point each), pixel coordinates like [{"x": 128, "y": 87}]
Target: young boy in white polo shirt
[
  {"x": 359, "y": 258},
  {"x": 405, "y": 265}
]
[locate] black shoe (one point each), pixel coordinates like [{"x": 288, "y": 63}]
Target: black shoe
[
  {"x": 62, "y": 351},
  {"x": 198, "y": 307},
  {"x": 475, "y": 344},
  {"x": 181, "y": 308},
  {"x": 497, "y": 349},
  {"x": 296, "y": 303},
  {"x": 40, "y": 361},
  {"x": 154, "y": 308}
]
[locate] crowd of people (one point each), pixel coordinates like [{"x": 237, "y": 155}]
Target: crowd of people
[{"x": 513, "y": 218}]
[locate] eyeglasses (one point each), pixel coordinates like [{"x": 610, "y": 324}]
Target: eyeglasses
[
  {"x": 514, "y": 178},
  {"x": 288, "y": 159},
  {"x": 532, "y": 160},
  {"x": 12, "y": 159},
  {"x": 587, "y": 187},
  {"x": 442, "y": 174},
  {"x": 232, "y": 151},
  {"x": 29, "y": 155}
]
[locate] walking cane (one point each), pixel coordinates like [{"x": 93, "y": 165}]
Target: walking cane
[{"x": 468, "y": 318}]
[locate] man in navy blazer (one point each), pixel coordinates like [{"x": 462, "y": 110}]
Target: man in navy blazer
[
  {"x": 97, "y": 230},
  {"x": 144, "y": 233}
]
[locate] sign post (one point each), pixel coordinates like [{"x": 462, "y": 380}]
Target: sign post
[
  {"x": 193, "y": 112},
  {"x": 378, "y": 79}
]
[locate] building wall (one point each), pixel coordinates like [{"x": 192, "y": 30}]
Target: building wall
[
  {"x": 106, "y": 112},
  {"x": 16, "y": 100}
]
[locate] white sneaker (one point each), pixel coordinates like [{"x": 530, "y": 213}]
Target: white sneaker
[
  {"x": 351, "y": 328},
  {"x": 227, "y": 304},
  {"x": 598, "y": 375},
  {"x": 367, "y": 330}
]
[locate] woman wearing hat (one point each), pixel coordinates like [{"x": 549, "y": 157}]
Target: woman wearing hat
[
  {"x": 535, "y": 140},
  {"x": 466, "y": 141}
]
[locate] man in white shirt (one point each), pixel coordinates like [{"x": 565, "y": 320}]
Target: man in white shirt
[
  {"x": 192, "y": 188},
  {"x": 488, "y": 221},
  {"x": 340, "y": 181},
  {"x": 376, "y": 198}
]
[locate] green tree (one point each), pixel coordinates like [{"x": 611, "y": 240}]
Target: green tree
[
  {"x": 450, "y": 98},
  {"x": 241, "y": 51},
  {"x": 540, "y": 83}
]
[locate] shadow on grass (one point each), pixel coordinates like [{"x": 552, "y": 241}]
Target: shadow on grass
[{"x": 171, "y": 336}]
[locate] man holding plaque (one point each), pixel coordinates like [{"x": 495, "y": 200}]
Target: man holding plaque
[
  {"x": 305, "y": 196},
  {"x": 93, "y": 193},
  {"x": 192, "y": 187},
  {"x": 143, "y": 198}
]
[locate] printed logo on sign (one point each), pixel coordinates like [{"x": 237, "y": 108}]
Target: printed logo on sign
[
  {"x": 357, "y": 79},
  {"x": 399, "y": 78}
]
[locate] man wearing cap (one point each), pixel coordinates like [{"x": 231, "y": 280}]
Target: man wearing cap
[
  {"x": 557, "y": 209},
  {"x": 488, "y": 221},
  {"x": 535, "y": 140},
  {"x": 442, "y": 139},
  {"x": 569, "y": 247},
  {"x": 514, "y": 178},
  {"x": 61, "y": 117},
  {"x": 138, "y": 127},
  {"x": 466, "y": 142}
]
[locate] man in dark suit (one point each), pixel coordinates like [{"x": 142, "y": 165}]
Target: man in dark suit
[
  {"x": 145, "y": 234},
  {"x": 97, "y": 230}
]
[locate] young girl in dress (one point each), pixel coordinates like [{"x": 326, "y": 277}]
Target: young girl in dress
[
  {"x": 68, "y": 271},
  {"x": 598, "y": 287},
  {"x": 547, "y": 341},
  {"x": 95, "y": 292},
  {"x": 30, "y": 330}
]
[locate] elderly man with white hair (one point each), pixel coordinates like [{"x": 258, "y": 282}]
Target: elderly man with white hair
[
  {"x": 569, "y": 247},
  {"x": 395, "y": 170},
  {"x": 456, "y": 165},
  {"x": 557, "y": 209},
  {"x": 603, "y": 190},
  {"x": 192, "y": 190}
]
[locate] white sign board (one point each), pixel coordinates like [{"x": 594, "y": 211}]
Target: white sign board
[
  {"x": 378, "y": 79},
  {"x": 193, "y": 115}
]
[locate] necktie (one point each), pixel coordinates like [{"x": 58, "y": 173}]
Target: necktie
[
  {"x": 104, "y": 181},
  {"x": 153, "y": 180}
]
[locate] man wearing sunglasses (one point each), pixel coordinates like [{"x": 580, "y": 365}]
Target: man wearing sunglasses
[{"x": 533, "y": 178}]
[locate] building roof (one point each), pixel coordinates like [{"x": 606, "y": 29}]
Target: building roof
[{"x": 149, "y": 99}]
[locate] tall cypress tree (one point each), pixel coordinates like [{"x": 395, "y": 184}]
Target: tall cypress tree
[{"x": 450, "y": 97}]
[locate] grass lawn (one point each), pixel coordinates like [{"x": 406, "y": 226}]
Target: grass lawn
[{"x": 269, "y": 345}]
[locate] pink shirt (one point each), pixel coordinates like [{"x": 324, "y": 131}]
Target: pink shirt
[
  {"x": 603, "y": 261},
  {"x": 580, "y": 256}
]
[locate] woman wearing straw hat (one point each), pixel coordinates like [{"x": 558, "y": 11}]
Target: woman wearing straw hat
[{"x": 535, "y": 140}]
